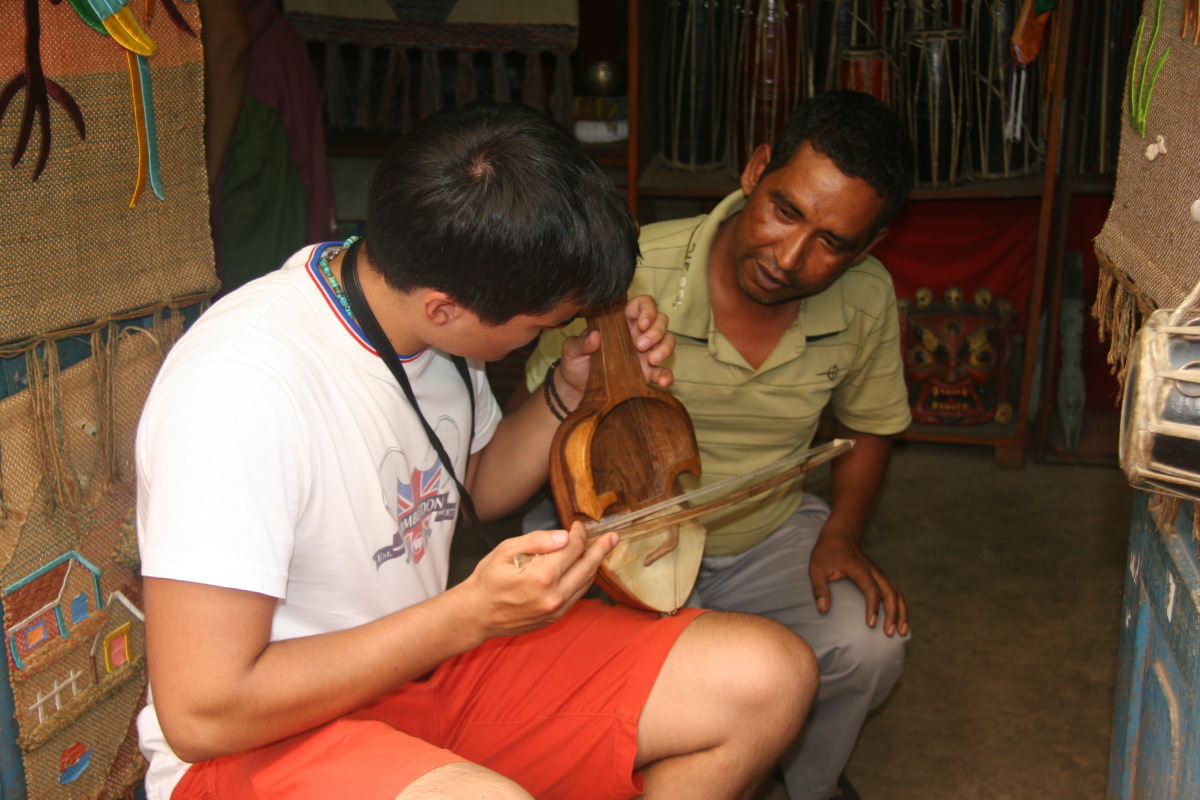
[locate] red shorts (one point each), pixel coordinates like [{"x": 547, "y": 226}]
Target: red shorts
[{"x": 555, "y": 710}]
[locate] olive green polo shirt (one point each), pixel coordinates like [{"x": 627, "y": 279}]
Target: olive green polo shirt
[{"x": 843, "y": 350}]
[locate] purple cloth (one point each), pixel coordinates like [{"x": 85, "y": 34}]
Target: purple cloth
[{"x": 281, "y": 76}]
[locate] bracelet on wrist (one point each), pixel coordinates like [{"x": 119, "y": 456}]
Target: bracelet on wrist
[{"x": 555, "y": 403}]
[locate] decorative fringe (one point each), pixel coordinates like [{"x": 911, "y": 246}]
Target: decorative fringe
[
  {"x": 47, "y": 413},
  {"x": 42, "y": 366},
  {"x": 337, "y": 92},
  {"x": 170, "y": 329},
  {"x": 533, "y": 93},
  {"x": 383, "y": 93},
  {"x": 1119, "y": 309},
  {"x": 22, "y": 346},
  {"x": 406, "y": 105},
  {"x": 104, "y": 359},
  {"x": 362, "y": 105},
  {"x": 561, "y": 99},
  {"x": 431, "y": 83},
  {"x": 1164, "y": 510},
  {"x": 466, "y": 78},
  {"x": 386, "y": 118},
  {"x": 158, "y": 332},
  {"x": 500, "y": 87}
]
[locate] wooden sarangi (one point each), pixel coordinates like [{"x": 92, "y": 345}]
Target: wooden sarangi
[{"x": 623, "y": 449}]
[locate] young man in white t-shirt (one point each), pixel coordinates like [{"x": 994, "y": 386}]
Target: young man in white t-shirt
[{"x": 295, "y": 515}]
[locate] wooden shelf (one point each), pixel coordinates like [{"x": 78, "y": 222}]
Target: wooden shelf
[
  {"x": 989, "y": 433},
  {"x": 613, "y": 156}
]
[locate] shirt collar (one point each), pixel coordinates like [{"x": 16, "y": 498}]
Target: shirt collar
[
  {"x": 825, "y": 313},
  {"x": 690, "y": 312}
]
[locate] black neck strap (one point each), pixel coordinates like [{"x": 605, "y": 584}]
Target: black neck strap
[{"x": 383, "y": 346}]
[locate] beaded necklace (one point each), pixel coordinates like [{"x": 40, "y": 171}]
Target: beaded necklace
[{"x": 331, "y": 253}]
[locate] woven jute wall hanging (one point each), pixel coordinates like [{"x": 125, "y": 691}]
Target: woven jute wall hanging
[
  {"x": 78, "y": 239},
  {"x": 105, "y": 241},
  {"x": 1147, "y": 248}
]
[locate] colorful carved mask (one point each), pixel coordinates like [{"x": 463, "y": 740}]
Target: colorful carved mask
[{"x": 956, "y": 357}]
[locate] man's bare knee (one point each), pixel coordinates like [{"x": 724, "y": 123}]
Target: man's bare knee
[
  {"x": 776, "y": 671},
  {"x": 745, "y": 667},
  {"x": 731, "y": 697},
  {"x": 463, "y": 780}
]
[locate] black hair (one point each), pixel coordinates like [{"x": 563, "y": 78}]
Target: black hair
[
  {"x": 863, "y": 137},
  {"x": 501, "y": 208}
]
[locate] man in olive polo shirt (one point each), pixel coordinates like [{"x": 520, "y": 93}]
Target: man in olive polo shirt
[{"x": 780, "y": 311}]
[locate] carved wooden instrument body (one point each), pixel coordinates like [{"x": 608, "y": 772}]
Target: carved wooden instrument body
[{"x": 623, "y": 449}]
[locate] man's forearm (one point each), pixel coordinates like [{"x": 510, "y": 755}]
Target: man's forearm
[{"x": 856, "y": 478}]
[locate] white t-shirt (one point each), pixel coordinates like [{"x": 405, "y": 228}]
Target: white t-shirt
[{"x": 276, "y": 454}]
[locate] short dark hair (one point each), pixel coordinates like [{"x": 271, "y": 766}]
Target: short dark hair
[
  {"x": 863, "y": 136},
  {"x": 501, "y": 208}
]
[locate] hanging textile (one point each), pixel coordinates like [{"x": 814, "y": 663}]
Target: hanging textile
[
  {"x": 383, "y": 56},
  {"x": 105, "y": 241},
  {"x": 1147, "y": 248}
]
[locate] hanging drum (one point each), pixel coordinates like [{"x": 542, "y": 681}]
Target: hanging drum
[
  {"x": 921, "y": 15},
  {"x": 869, "y": 70},
  {"x": 837, "y": 25},
  {"x": 899, "y": 18},
  {"x": 1160, "y": 416},
  {"x": 935, "y": 103},
  {"x": 892, "y": 28},
  {"x": 768, "y": 77},
  {"x": 1003, "y": 96},
  {"x": 693, "y": 92}
]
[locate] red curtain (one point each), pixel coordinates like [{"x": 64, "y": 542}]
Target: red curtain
[{"x": 968, "y": 244}]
